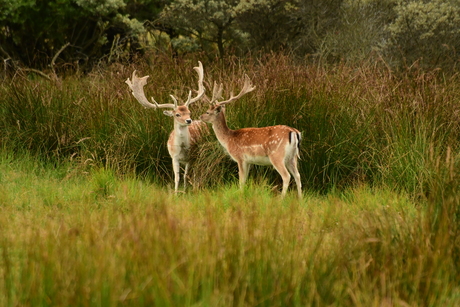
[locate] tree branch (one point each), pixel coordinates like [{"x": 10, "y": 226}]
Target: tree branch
[
  {"x": 38, "y": 72},
  {"x": 55, "y": 57}
]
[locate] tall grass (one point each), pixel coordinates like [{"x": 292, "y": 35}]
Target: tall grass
[
  {"x": 96, "y": 239},
  {"x": 359, "y": 123}
]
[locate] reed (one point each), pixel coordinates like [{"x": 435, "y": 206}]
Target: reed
[{"x": 359, "y": 123}]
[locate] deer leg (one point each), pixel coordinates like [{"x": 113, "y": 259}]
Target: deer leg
[
  {"x": 243, "y": 171},
  {"x": 176, "y": 169},
  {"x": 185, "y": 174},
  {"x": 280, "y": 167},
  {"x": 292, "y": 168}
]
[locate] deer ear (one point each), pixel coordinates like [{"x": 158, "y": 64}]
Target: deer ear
[
  {"x": 168, "y": 113},
  {"x": 219, "y": 109}
]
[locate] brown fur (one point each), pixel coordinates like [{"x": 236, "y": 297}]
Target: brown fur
[{"x": 271, "y": 145}]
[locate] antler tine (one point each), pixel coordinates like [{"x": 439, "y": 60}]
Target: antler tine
[
  {"x": 167, "y": 105},
  {"x": 216, "y": 92},
  {"x": 247, "y": 87},
  {"x": 201, "y": 88},
  {"x": 137, "y": 88}
]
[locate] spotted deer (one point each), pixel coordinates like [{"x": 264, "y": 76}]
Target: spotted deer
[
  {"x": 274, "y": 145},
  {"x": 186, "y": 132}
]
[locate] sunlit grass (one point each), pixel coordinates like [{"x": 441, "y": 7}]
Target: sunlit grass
[{"x": 98, "y": 239}]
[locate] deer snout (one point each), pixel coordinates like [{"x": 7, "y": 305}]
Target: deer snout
[{"x": 188, "y": 121}]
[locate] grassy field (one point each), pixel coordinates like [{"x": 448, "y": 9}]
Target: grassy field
[
  {"x": 87, "y": 216},
  {"x": 95, "y": 239}
]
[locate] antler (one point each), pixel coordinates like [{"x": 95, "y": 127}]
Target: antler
[
  {"x": 247, "y": 87},
  {"x": 216, "y": 93},
  {"x": 201, "y": 88},
  {"x": 137, "y": 88}
]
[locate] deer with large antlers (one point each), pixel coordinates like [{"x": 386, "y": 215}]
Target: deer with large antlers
[
  {"x": 274, "y": 145},
  {"x": 186, "y": 132}
]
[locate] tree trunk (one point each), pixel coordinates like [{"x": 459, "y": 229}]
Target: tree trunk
[{"x": 220, "y": 41}]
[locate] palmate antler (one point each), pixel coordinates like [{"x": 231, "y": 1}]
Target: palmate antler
[
  {"x": 247, "y": 88},
  {"x": 217, "y": 92},
  {"x": 201, "y": 88},
  {"x": 137, "y": 87}
]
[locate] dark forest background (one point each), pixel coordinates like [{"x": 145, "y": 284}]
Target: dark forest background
[{"x": 58, "y": 37}]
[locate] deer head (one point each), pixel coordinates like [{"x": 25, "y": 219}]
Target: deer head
[
  {"x": 217, "y": 106},
  {"x": 181, "y": 113}
]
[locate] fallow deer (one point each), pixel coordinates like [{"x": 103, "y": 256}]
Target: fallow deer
[
  {"x": 274, "y": 145},
  {"x": 186, "y": 132}
]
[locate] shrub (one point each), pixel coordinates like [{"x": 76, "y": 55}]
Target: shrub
[{"x": 425, "y": 31}]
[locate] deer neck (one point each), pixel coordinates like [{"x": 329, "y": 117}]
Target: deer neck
[
  {"x": 181, "y": 136},
  {"x": 223, "y": 133}
]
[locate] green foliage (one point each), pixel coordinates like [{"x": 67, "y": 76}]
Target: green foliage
[
  {"x": 103, "y": 182},
  {"x": 360, "y": 34},
  {"x": 426, "y": 31},
  {"x": 32, "y": 32},
  {"x": 269, "y": 25},
  {"x": 101, "y": 7},
  {"x": 239, "y": 26},
  {"x": 78, "y": 35},
  {"x": 207, "y": 22},
  {"x": 315, "y": 20}
]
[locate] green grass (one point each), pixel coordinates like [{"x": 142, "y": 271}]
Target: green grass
[
  {"x": 88, "y": 217},
  {"x": 95, "y": 239},
  {"x": 359, "y": 123}
]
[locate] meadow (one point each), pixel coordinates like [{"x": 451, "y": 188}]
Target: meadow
[{"x": 88, "y": 216}]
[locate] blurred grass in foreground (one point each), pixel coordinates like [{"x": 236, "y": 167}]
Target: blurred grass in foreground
[{"x": 95, "y": 239}]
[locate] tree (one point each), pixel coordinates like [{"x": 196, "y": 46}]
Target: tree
[
  {"x": 205, "y": 23},
  {"x": 271, "y": 25},
  {"x": 32, "y": 32},
  {"x": 359, "y": 33},
  {"x": 425, "y": 31},
  {"x": 315, "y": 20},
  {"x": 268, "y": 25}
]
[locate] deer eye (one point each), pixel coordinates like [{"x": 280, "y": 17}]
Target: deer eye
[
  {"x": 177, "y": 115},
  {"x": 207, "y": 113}
]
